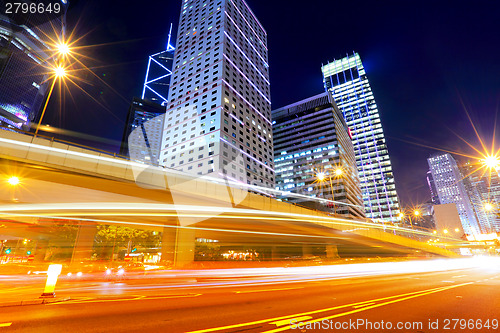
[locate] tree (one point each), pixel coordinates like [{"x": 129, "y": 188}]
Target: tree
[{"x": 114, "y": 238}]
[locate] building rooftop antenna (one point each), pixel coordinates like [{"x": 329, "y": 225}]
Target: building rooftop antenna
[{"x": 156, "y": 82}]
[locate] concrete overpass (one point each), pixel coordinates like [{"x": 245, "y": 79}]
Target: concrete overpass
[{"x": 64, "y": 182}]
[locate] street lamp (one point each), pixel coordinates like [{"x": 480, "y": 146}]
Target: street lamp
[
  {"x": 59, "y": 73},
  {"x": 445, "y": 231},
  {"x": 63, "y": 48},
  {"x": 13, "y": 181},
  {"x": 488, "y": 207},
  {"x": 338, "y": 172},
  {"x": 492, "y": 162},
  {"x": 320, "y": 176}
]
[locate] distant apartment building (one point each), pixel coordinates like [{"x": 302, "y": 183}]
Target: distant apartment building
[
  {"x": 311, "y": 140},
  {"x": 346, "y": 80},
  {"x": 452, "y": 190},
  {"x": 218, "y": 118}
]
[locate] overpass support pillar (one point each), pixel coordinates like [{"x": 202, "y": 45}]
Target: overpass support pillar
[
  {"x": 332, "y": 252},
  {"x": 306, "y": 251},
  {"x": 168, "y": 245},
  {"x": 177, "y": 246},
  {"x": 84, "y": 243},
  {"x": 275, "y": 253},
  {"x": 41, "y": 247}
]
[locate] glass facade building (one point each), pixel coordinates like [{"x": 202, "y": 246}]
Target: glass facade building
[
  {"x": 142, "y": 135},
  {"x": 451, "y": 189},
  {"x": 345, "y": 79},
  {"x": 219, "y": 108},
  {"x": 26, "y": 41},
  {"x": 432, "y": 188},
  {"x": 483, "y": 187},
  {"x": 311, "y": 137},
  {"x": 158, "y": 74}
]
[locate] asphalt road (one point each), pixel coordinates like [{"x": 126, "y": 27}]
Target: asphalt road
[{"x": 457, "y": 300}]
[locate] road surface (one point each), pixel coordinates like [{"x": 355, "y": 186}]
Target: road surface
[{"x": 453, "y": 300}]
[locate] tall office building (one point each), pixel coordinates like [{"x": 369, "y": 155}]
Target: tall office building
[
  {"x": 310, "y": 139},
  {"x": 158, "y": 74},
  {"x": 219, "y": 106},
  {"x": 451, "y": 189},
  {"x": 483, "y": 188},
  {"x": 142, "y": 135},
  {"x": 346, "y": 80},
  {"x": 27, "y": 42},
  {"x": 432, "y": 188}
]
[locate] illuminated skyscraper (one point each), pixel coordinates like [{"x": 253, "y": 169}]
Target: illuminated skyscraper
[
  {"x": 145, "y": 120},
  {"x": 219, "y": 106},
  {"x": 346, "y": 80},
  {"x": 432, "y": 188},
  {"x": 451, "y": 189},
  {"x": 27, "y": 41},
  {"x": 311, "y": 140},
  {"x": 483, "y": 188},
  {"x": 142, "y": 135},
  {"x": 158, "y": 74}
]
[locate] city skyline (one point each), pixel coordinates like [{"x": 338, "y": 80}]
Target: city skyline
[
  {"x": 163, "y": 191},
  {"x": 412, "y": 107}
]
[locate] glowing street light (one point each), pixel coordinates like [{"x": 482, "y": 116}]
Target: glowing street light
[
  {"x": 59, "y": 72},
  {"x": 488, "y": 207},
  {"x": 416, "y": 212},
  {"x": 492, "y": 162},
  {"x": 434, "y": 232},
  {"x": 457, "y": 230},
  {"x": 63, "y": 48},
  {"x": 445, "y": 231},
  {"x": 321, "y": 176},
  {"x": 338, "y": 172},
  {"x": 13, "y": 181}
]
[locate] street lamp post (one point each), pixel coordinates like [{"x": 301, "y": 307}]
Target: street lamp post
[
  {"x": 491, "y": 162},
  {"x": 58, "y": 72},
  {"x": 46, "y": 103},
  {"x": 416, "y": 214},
  {"x": 321, "y": 176}
]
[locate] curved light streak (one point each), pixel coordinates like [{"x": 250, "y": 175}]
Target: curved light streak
[
  {"x": 168, "y": 171},
  {"x": 124, "y": 209}
]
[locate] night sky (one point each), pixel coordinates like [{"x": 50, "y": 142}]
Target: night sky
[{"x": 427, "y": 63}]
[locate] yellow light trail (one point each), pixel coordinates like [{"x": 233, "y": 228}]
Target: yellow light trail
[
  {"x": 422, "y": 293},
  {"x": 393, "y": 299},
  {"x": 166, "y": 172},
  {"x": 124, "y": 209}
]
